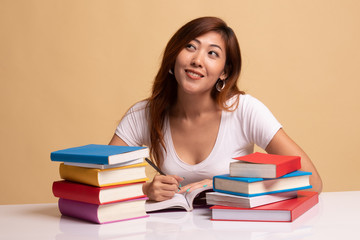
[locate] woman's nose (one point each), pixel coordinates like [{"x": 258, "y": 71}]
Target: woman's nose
[{"x": 197, "y": 60}]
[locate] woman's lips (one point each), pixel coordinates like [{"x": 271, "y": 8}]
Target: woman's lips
[{"x": 194, "y": 74}]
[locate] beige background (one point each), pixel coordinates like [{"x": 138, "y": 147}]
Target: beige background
[{"x": 69, "y": 69}]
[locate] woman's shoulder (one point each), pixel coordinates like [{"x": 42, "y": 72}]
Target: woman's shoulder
[
  {"x": 138, "y": 107},
  {"x": 238, "y": 101}
]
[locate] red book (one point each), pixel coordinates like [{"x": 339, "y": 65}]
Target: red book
[
  {"x": 284, "y": 211},
  {"x": 97, "y": 195},
  {"x": 264, "y": 165}
]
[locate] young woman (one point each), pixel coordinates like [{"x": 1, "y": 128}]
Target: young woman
[{"x": 196, "y": 119}]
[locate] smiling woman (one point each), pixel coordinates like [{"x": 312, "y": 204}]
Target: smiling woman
[
  {"x": 201, "y": 64},
  {"x": 165, "y": 88},
  {"x": 196, "y": 119}
]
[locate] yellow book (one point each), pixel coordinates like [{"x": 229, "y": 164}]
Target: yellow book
[{"x": 104, "y": 177}]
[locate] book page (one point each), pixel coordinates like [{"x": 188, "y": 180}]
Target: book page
[
  {"x": 185, "y": 201},
  {"x": 199, "y": 195},
  {"x": 178, "y": 201}
]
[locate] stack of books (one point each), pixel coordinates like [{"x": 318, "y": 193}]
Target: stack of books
[
  {"x": 101, "y": 183},
  {"x": 262, "y": 187}
]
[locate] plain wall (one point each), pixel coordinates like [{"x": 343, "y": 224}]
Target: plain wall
[{"x": 69, "y": 70}]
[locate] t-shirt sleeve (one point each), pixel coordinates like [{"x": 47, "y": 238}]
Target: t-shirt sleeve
[
  {"x": 133, "y": 127},
  {"x": 259, "y": 124}
]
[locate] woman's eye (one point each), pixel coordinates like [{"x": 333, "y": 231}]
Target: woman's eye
[
  {"x": 190, "y": 46},
  {"x": 213, "y": 53}
]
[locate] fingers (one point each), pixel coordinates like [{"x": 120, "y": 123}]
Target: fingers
[
  {"x": 192, "y": 186},
  {"x": 170, "y": 179},
  {"x": 178, "y": 179},
  {"x": 163, "y": 187}
]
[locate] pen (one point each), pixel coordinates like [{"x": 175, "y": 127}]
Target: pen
[{"x": 156, "y": 168}]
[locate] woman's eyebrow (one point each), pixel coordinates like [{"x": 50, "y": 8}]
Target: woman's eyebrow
[{"x": 211, "y": 45}]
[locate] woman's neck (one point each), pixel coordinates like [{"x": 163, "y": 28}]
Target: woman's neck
[{"x": 193, "y": 106}]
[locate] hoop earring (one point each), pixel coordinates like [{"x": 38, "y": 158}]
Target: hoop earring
[
  {"x": 220, "y": 84},
  {"x": 171, "y": 72}
]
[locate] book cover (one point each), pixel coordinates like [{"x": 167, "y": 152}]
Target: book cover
[
  {"x": 264, "y": 165},
  {"x": 185, "y": 201},
  {"x": 104, "y": 177},
  {"x": 106, "y": 213},
  {"x": 251, "y": 187},
  {"x": 230, "y": 200},
  {"x": 284, "y": 211},
  {"x": 99, "y": 154},
  {"x": 97, "y": 195}
]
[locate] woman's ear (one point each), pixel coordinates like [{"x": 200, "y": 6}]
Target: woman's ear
[{"x": 223, "y": 76}]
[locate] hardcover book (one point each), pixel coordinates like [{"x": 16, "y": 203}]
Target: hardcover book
[
  {"x": 104, "y": 177},
  {"x": 99, "y": 154},
  {"x": 105, "y": 213},
  {"x": 97, "y": 195},
  {"x": 251, "y": 187},
  {"x": 264, "y": 165},
  {"x": 284, "y": 211},
  {"x": 230, "y": 200}
]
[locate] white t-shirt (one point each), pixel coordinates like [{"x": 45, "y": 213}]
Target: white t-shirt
[{"x": 251, "y": 123}]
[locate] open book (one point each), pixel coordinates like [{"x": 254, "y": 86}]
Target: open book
[{"x": 185, "y": 201}]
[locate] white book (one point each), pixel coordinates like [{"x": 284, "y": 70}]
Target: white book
[
  {"x": 223, "y": 199},
  {"x": 105, "y": 166}
]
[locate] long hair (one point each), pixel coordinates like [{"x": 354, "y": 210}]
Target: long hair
[{"x": 164, "y": 91}]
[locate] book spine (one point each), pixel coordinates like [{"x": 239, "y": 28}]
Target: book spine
[
  {"x": 81, "y": 210},
  {"x": 77, "y": 192},
  {"x": 90, "y": 176},
  {"x": 79, "y": 174},
  {"x": 61, "y": 157},
  {"x": 86, "y": 193}
]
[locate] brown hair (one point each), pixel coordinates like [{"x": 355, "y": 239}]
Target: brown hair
[{"x": 164, "y": 91}]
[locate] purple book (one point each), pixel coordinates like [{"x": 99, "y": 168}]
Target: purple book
[{"x": 106, "y": 213}]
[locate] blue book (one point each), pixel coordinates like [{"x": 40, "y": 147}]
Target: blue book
[
  {"x": 100, "y": 154},
  {"x": 251, "y": 187}
]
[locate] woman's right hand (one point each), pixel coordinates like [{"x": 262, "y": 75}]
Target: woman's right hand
[{"x": 162, "y": 187}]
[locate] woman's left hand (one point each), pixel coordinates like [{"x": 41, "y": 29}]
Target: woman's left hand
[{"x": 195, "y": 185}]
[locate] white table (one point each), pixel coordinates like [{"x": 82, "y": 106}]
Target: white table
[{"x": 335, "y": 217}]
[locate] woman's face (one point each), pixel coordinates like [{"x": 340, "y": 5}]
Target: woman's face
[{"x": 201, "y": 63}]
